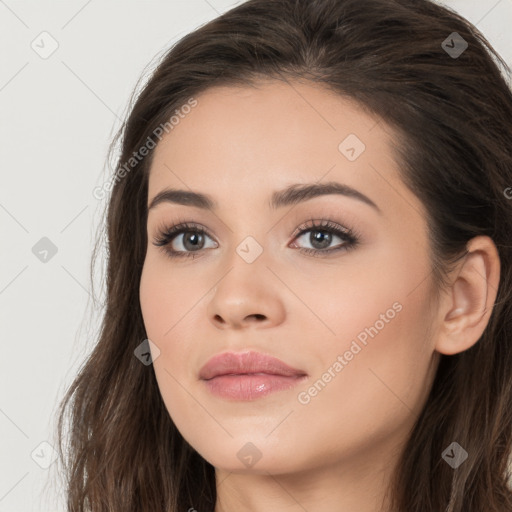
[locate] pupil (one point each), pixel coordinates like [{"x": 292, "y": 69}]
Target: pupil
[
  {"x": 192, "y": 238},
  {"x": 322, "y": 237}
]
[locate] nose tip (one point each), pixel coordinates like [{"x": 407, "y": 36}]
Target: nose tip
[{"x": 246, "y": 301}]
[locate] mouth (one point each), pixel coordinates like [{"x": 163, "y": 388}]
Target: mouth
[{"x": 248, "y": 375}]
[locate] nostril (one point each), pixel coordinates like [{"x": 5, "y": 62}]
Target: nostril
[{"x": 258, "y": 316}]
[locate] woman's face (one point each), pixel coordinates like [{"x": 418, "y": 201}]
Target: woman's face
[{"x": 353, "y": 318}]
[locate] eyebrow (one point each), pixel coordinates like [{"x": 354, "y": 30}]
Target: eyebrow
[{"x": 291, "y": 195}]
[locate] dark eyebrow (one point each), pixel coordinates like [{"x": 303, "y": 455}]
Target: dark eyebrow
[
  {"x": 302, "y": 192},
  {"x": 185, "y": 197},
  {"x": 291, "y": 195}
]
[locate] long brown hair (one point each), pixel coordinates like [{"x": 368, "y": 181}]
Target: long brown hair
[{"x": 453, "y": 116}]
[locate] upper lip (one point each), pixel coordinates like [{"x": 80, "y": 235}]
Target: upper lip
[{"x": 233, "y": 363}]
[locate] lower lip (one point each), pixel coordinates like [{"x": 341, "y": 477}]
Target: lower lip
[{"x": 250, "y": 386}]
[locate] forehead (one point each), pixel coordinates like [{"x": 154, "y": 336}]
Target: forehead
[
  {"x": 275, "y": 115},
  {"x": 249, "y": 140}
]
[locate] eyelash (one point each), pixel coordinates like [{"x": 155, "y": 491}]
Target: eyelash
[{"x": 166, "y": 236}]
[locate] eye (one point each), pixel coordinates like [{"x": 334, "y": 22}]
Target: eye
[
  {"x": 182, "y": 240},
  {"x": 322, "y": 235},
  {"x": 188, "y": 239}
]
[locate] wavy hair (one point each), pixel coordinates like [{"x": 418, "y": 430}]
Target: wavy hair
[{"x": 453, "y": 120}]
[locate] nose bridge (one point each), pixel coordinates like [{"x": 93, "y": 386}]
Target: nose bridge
[
  {"x": 249, "y": 237},
  {"x": 246, "y": 267}
]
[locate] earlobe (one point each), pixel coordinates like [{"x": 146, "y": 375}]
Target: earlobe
[{"x": 469, "y": 302}]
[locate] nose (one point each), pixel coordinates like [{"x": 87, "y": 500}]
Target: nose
[{"x": 248, "y": 296}]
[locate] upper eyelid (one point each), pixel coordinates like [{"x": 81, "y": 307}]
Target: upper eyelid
[
  {"x": 320, "y": 224},
  {"x": 310, "y": 223}
]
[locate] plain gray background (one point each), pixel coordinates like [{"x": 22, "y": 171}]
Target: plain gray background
[{"x": 58, "y": 115}]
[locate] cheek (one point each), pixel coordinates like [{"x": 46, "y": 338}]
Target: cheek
[
  {"x": 381, "y": 387},
  {"x": 362, "y": 289},
  {"x": 165, "y": 303},
  {"x": 165, "y": 297},
  {"x": 381, "y": 302}
]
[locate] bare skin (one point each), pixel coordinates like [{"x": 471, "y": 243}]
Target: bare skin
[{"x": 332, "y": 449}]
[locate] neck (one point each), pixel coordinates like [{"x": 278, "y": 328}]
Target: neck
[{"x": 351, "y": 485}]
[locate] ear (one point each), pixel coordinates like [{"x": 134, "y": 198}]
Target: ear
[{"x": 467, "y": 306}]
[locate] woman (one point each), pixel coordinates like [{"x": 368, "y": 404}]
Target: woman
[{"x": 309, "y": 239}]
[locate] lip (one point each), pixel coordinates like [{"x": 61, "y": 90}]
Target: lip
[{"x": 248, "y": 375}]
